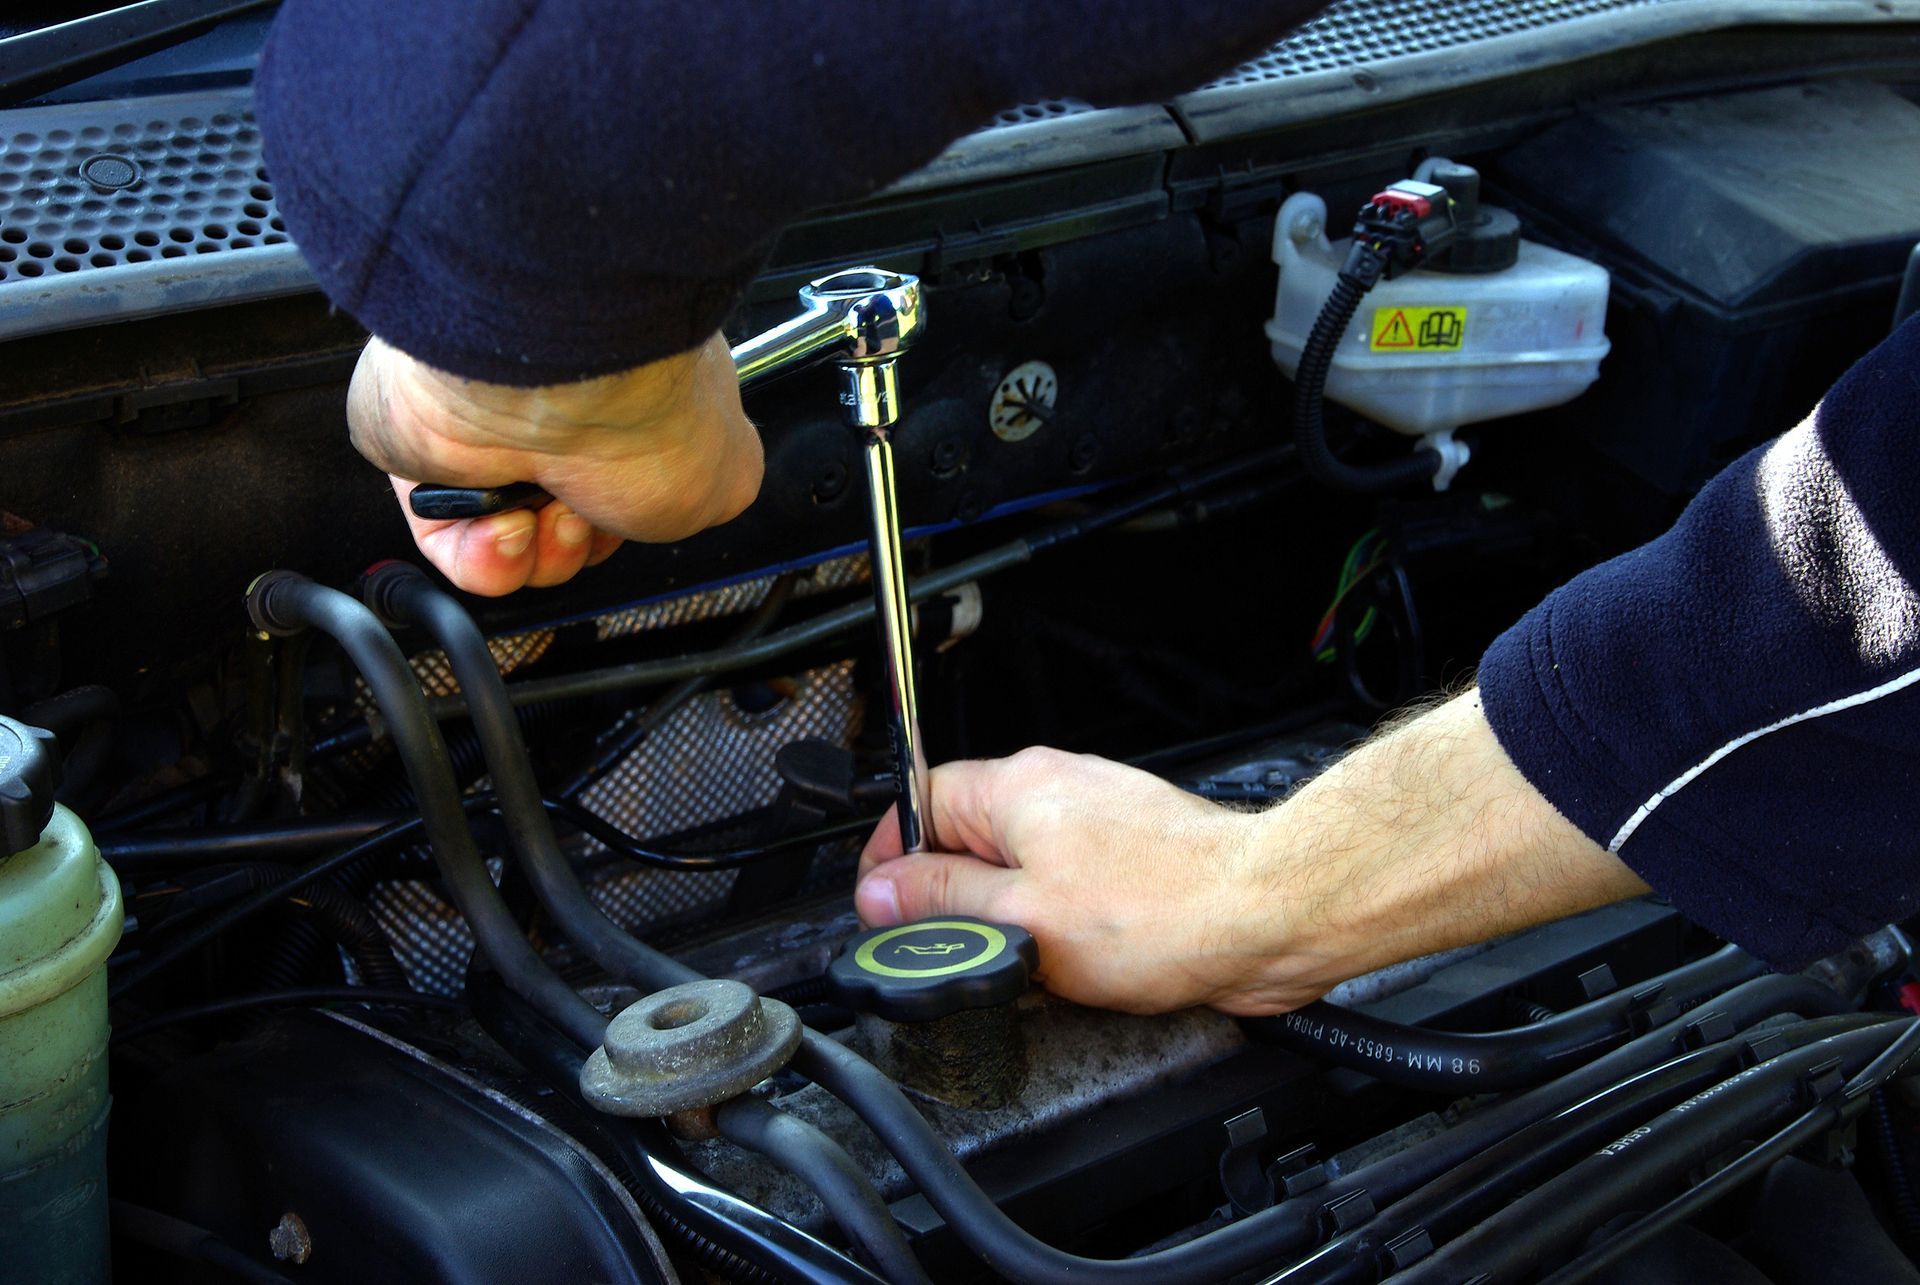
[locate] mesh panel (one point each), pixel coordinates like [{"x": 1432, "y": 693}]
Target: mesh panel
[
  {"x": 731, "y": 600},
  {"x": 107, "y": 186},
  {"x": 430, "y": 940},
  {"x": 1363, "y": 31}
]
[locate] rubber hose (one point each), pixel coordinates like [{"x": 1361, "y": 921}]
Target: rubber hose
[
  {"x": 402, "y": 592},
  {"x": 1309, "y": 407},
  {"x": 823, "y": 1164},
  {"x": 1556, "y": 1216},
  {"x": 281, "y": 601},
  {"x": 1493, "y": 1061}
]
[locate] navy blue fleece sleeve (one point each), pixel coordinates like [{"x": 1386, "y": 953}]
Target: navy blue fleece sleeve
[
  {"x": 534, "y": 191},
  {"x": 1734, "y": 708}
]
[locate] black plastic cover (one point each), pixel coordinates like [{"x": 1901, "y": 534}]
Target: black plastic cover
[
  {"x": 400, "y": 1169},
  {"x": 1774, "y": 197},
  {"x": 29, "y": 771}
]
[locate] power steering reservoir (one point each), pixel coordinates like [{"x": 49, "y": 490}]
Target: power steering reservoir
[
  {"x": 1492, "y": 326},
  {"x": 59, "y": 920}
]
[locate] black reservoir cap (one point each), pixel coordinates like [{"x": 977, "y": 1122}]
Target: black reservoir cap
[
  {"x": 932, "y": 969},
  {"x": 29, "y": 771}
]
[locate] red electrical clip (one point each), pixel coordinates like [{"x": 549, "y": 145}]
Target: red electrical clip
[
  {"x": 1910, "y": 997},
  {"x": 1396, "y": 198}
]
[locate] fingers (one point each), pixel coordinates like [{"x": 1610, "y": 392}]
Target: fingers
[
  {"x": 924, "y": 886},
  {"x": 496, "y": 555}
]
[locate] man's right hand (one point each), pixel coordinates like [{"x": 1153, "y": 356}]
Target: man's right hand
[
  {"x": 1147, "y": 899},
  {"x": 655, "y": 453}
]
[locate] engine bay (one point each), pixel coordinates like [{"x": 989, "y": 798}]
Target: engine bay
[{"x": 379, "y": 906}]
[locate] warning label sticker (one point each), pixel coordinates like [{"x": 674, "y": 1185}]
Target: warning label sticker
[{"x": 1418, "y": 329}]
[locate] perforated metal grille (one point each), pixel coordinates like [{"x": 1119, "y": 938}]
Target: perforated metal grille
[
  {"x": 731, "y": 600},
  {"x": 708, "y": 762},
  {"x": 1048, "y": 109},
  {"x": 1362, "y": 31},
  {"x": 107, "y": 187}
]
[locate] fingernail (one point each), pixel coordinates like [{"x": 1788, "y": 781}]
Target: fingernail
[
  {"x": 878, "y": 902},
  {"x": 513, "y": 542},
  {"x": 572, "y": 529}
]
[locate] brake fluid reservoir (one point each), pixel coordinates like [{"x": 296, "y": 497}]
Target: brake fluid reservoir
[
  {"x": 1498, "y": 326},
  {"x": 59, "y": 920}
]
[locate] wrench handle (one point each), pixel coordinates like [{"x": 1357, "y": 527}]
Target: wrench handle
[{"x": 448, "y": 503}]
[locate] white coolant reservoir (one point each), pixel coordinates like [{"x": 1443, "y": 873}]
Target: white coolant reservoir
[{"x": 1435, "y": 349}]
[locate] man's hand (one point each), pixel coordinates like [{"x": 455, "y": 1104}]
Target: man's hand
[
  {"x": 1146, "y": 899},
  {"x": 655, "y": 453}
]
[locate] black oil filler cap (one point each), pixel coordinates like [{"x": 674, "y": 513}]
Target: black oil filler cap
[
  {"x": 932, "y": 969},
  {"x": 29, "y": 771}
]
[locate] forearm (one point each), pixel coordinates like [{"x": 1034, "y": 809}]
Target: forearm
[
  {"x": 540, "y": 193},
  {"x": 1423, "y": 839}
]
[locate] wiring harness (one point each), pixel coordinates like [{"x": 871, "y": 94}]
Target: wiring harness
[{"x": 1394, "y": 232}]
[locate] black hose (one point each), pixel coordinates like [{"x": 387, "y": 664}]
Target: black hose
[
  {"x": 281, "y": 602},
  {"x": 1449, "y": 1204},
  {"x": 1487, "y": 1062},
  {"x": 1557, "y": 1215},
  {"x": 1309, "y": 404},
  {"x": 403, "y": 592},
  {"x": 181, "y": 1239},
  {"x": 823, "y": 1164},
  {"x": 278, "y": 998}
]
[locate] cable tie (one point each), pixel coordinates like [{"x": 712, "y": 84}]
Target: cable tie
[
  {"x": 1343, "y": 1213},
  {"x": 1824, "y": 1081},
  {"x": 1765, "y": 1047},
  {"x": 1408, "y": 1248},
  {"x": 1708, "y": 1028}
]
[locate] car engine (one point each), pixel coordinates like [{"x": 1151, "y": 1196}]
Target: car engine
[{"x": 437, "y": 938}]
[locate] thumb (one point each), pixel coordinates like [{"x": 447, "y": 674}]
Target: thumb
[{"x": 924, "y": 885}]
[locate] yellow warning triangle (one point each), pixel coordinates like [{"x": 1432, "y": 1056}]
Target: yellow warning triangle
[{"x": 1396, "y": 333}]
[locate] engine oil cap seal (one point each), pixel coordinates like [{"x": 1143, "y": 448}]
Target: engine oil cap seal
[
  {"x": 688, "y": 1046},
  {"x": 928, "y": 970}
]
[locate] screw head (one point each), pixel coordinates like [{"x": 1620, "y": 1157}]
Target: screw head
[
  {"x": 831, "y": 484},
  {"x": 109, "y": 172}
]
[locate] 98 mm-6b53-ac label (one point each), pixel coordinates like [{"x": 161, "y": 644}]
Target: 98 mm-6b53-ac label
[{"x": 1378, "y": 1051}]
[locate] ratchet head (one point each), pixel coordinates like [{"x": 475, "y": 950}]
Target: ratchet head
[
  {"x": 879, "y": 313},
  {"x": 861, "y": 320}
]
